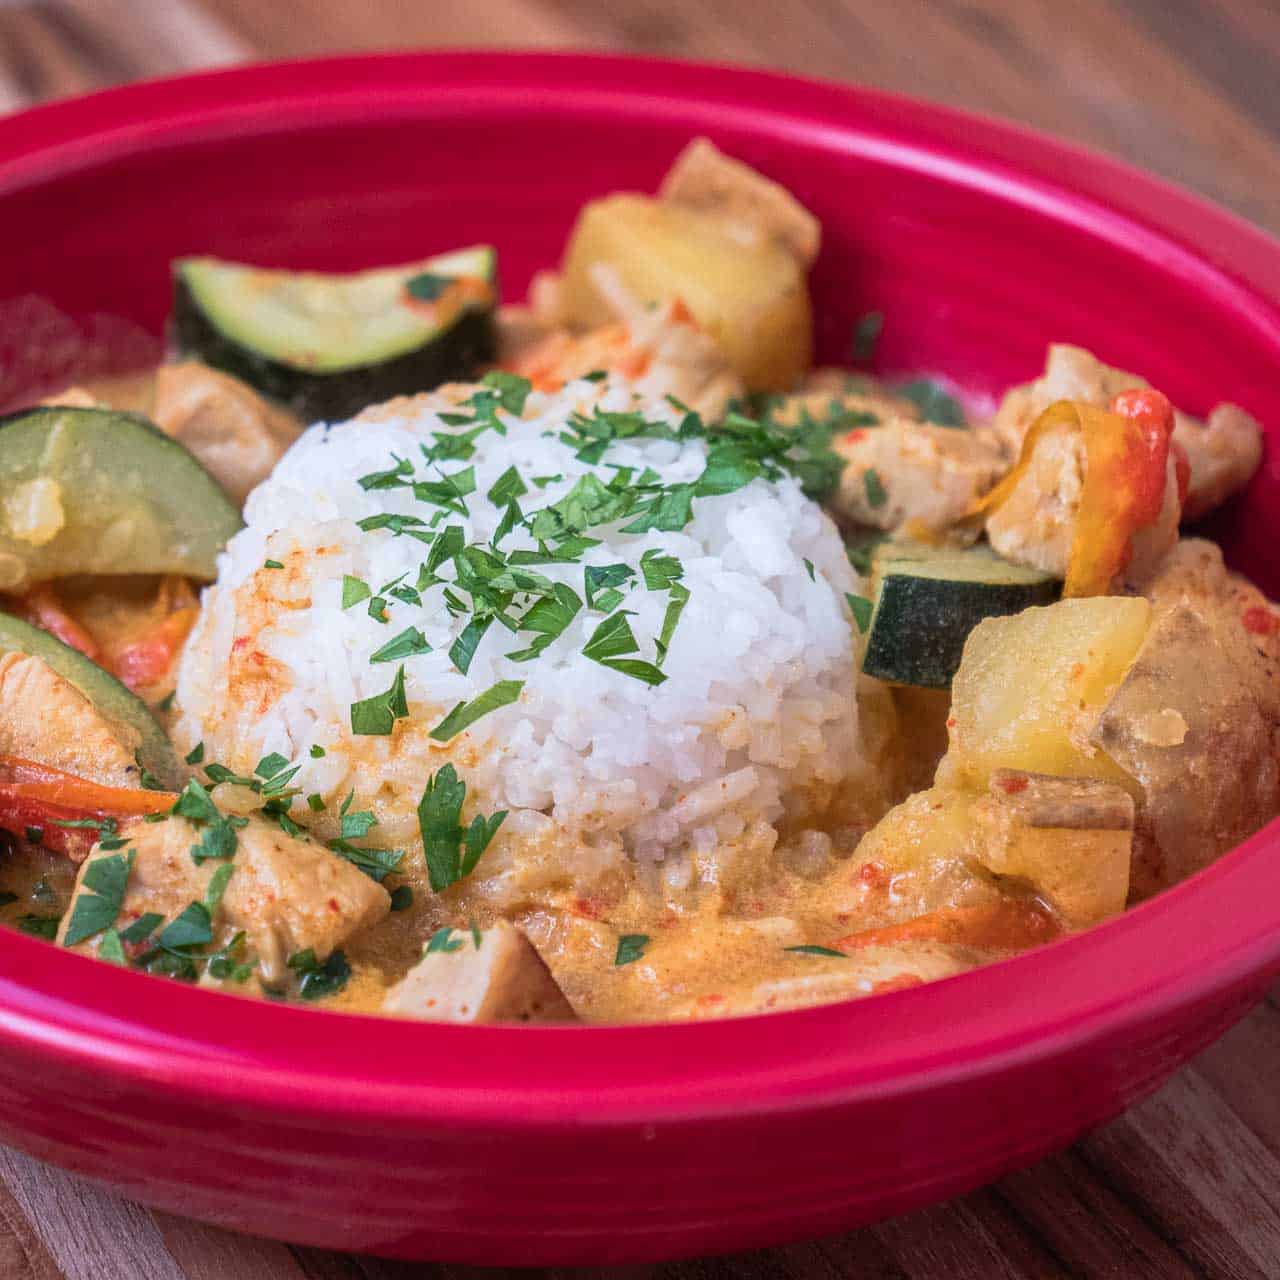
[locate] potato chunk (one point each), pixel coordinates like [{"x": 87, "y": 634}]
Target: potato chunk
[
  {"x": 1069, "y": 838},
  {"x": 751, "y": 298},
  {"x": 1194, "y": 720},
  {"x": 1030, "y": 688}
]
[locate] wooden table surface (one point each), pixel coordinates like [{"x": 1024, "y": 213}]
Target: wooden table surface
[{"x": 1186, "y": 1185}]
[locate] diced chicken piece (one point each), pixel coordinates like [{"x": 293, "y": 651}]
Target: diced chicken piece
[
  {"x": 1196, "y": 720},
  {"x": 911, "y": 473},
  {"x": 749, "y": 204},
  {"x": 1036, "y": 523},
  {"x": 47, "y": 719},
  {"x": 873, "y": 970},
  {"x": 1070, "y": 839},
  {"x": 500, "y": 978},
  {"x": 520, "y": 330},
  {"x": 1222, "y": 453},
  {"x": 287, "y": 894},
  {"x": 660, "y": 348},
  {"x": 231, "y": 429}
]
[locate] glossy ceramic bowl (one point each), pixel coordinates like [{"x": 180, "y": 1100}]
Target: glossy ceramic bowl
[{"x": 980, "y": 243}]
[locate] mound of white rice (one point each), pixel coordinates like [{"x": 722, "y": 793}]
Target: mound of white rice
[{"x": 755, "y": 721}]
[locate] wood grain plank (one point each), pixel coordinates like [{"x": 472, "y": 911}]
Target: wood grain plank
[
  {"x": 90, "y": 1234},
  {"x": 208, "y": 1253},
  {"x": 22, "y": 1252},
  {"x": 1206, "y": 1179}
]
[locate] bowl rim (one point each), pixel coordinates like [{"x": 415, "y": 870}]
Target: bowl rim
[{"x": 201, "y": 1046}]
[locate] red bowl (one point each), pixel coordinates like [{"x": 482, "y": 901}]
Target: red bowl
[{"x": 980, "y": 243}]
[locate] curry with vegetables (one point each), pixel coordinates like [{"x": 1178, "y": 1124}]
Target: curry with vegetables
[{"x": 392, "y": 649}]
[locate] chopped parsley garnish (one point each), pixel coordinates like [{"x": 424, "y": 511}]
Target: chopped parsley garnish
[
  {"x": 476, "y": 937},
  {"x": 808, "y": 568},
  {"x": 614, "y": 638},
  {"x": 465, "y": 714},
  {"x": 401, "y": 898},
  {"x": 451, "y": 852},
  {"x": 142, "y": 928},
  {"x": 192, "y": 928},
  {"x": 507, "y": 488},
  {"x": 272, "y": 564},
  {"x": 110, "y": 948},
  {"x": 45, "y": 927},
  {"x": 354, "y": 590},
  {"x": 146, "y": 779},
  {"x": 316, "y": 980},
  {"x": 443, "y": 941},
  {"x": 600, "y": 583},
  {"x": 877, "y": 494},
  {"x": 101, "y": 896},
  {"x": 196, "y": 754},
  {"x": 660, "y": 571},
  {"x": 862, "y": 548},
  {"x": 217, "y": 840},
  {"x": 426, "y": 286},
  {"x": 809, "y": 950},
  {"x": 934, "y": 402},
  {"x": 866, "y": 334},
  {"x": 376, "y": 716},
  {"x": 166, "y": 703},
  {"x": 630, "y": 947},
  {"x": 861, "y": 608},
  {"x": 195, "y": 802},
  {"x": 317, "y": 752}
]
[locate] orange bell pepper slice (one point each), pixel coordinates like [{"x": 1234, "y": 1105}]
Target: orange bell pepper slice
[
  {"x": 34, "y": 795},
  {"x": 1126, "y": 470}
]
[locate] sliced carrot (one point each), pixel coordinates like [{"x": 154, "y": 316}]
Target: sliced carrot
[
  {"x": 144, "y": 661},
  {"x": 36, "y": 796},
  {"x": 1006, "y": 925}
]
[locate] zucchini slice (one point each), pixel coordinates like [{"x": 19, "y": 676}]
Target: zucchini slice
[
  {"x": 89, "y": 491},
  {"x": 330, "y": 345},
  {"x": 928, "y": 599},
  {"x": 108, "y": 696}
]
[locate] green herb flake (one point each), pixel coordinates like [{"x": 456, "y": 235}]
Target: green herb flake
[
  {"x": 443, "y": 839},
  {"x": 217, "y": 841},
  {"x": 142, "y": 928},
  {"x": 935, "y": 403},
  {"x": 272, "y": 564},
  {"x": 317, "y": 752},
  {"x": 353, "y": 591},
  {"x": 466, "y": 714},
  {"x": 443, "y": 941},
  {"x": 195, "y": 803},
  {"x": 216, "y": 887},
  {"x": 315, "y": 802},
  {"x": 401, "y": 898},
  {"x": 192, "y": 928},
  {"x": 196, "y": 754},
  {"x": 110, "y": 948},
  {"x": 809, "y": 950},
  {"x": 166, "y": 703},
  {"x": 630, "y": 948},
  {"x": 316, "y": 980},
  {"x": 101, "y": 896},
  {"x": 808, "y": 568},
  {"x": 507, "y": 487},
  {"x": 866, "y": 334},
  {"x": 861, "y": 608},
  {"x": 376, "y": 716},
  {"x": 660, "y": 571},
  {"x": 45, "y": 927},
  {"x": 877, "y": 494},
  {"x": 427, "y": 286},
  {"x": 476, "y": 937}
]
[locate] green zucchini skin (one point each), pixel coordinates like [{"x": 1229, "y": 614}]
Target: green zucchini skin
[
  {"x": 108, "y": 696},
  {"x": 456, "y": 353},
  {"x": 108, "y": 465},
  {"x": 921, "y": 621}
]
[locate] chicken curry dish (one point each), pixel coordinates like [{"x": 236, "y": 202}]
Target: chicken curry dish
[{"x": 390, "y": 649}]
